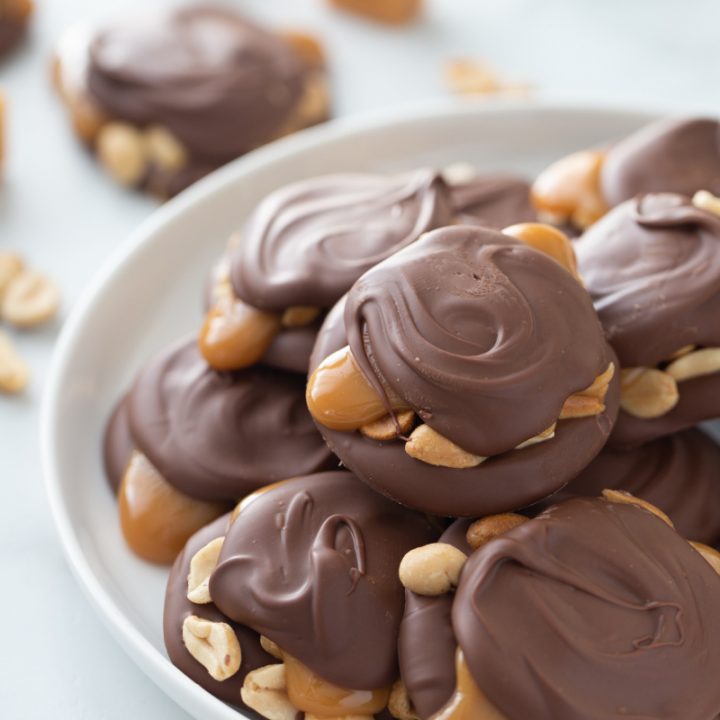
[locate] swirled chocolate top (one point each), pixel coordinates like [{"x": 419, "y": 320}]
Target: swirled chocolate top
[
  {"x": 679, "y": 473},
  {"x": 593, "y": 610},
  {"x": 308, "y": 242},
  {"x": 671, "y": 155},
  {"x": 483, "y": 336},
  {"x": 494, "y": 201},
  {"x": 221, "y": 84},
  {"x": 312, "y": 563},
  {"x": 222, "y": 435},
  {"x": 652, "y": 266}
]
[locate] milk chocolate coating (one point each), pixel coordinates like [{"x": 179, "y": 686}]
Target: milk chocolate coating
[
  {"x": 312, "y": 563},
  {"x": 671, "y": 155},
  {"x": 494, "y": 201},
  {"x": 178, "y": 607},
  {"x": 613, "y": 614},
  {"x": 118, "y": 444},
  {"x": 308, "y": 242},
  {"x": 467, "y": 325},
  {"x": 221, "y": 84},
  {"x": 652, "y": 267},
  {"x": 427, "y": 642},
  {"x": 222, "y": 435},
  {"x": 680, "y": 474}
]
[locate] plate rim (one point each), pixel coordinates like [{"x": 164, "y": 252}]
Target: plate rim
[{"x": 177, "y": 686}]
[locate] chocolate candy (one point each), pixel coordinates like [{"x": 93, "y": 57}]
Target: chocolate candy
[
  {"x": 118, "y": 444},
  {"x": 680, "y": 474},
  {"x": 592, "y": 606},
  {"x": 493, "y": 201},
  {"x": 178, "y": 608},
  {"x": 679, "y": 155},
  {"x": 167, "y": 96},
  {"x": 218, "y": 436},
  {"x": 307, "y": 243},
  {"x": 464, "y": 328},
  {"x": 652, "y": 267},
  {"x": 312, "y": 564}
]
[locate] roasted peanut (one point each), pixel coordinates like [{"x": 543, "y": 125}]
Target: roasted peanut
[
  {"x": 14, "y": 373},
  {"x": 11, "y": 265},
  {"x": 488, "y": 528},
  {"x": 387, "y": 428},
  {"x": 470, "y": 77},
  {"x": 270, "y": 647},
  {"x": 620, "y": 496},
  {"x": 202, "y": 564},
  {"x": 695, "y": 363},
  {"x": 544, "y": 436},
  {"x": 163, "y": 149},
  {"x": 647, "y": 393},
  {"x": 590, "y": 401},
  {"x": 706, "y": 201},
  {"x": 432, "y": 569},
  {"x": 265, "y": 691},
  {"x": 399, "y": 704},
  {"x": 121, "y": 151},
  {"x": 431, "y": 447},
  {"x": 30, "y": 299},
  {"x": 214, "y": 645}
]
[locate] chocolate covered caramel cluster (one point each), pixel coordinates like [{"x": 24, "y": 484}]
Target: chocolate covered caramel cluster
[{"x": 428, "y": 459}]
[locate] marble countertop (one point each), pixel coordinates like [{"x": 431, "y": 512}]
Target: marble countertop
[{"x": 65, "y": 216}]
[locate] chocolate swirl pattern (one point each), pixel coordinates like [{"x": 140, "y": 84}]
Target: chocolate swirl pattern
[
  {"x": 222, "y": 85},
  {"x": 308, "y": 242},
  {"x": 672, "y": 155},
  {"x": 221, "y": 435},
  {"x": 470, "y": 323},
  {"x": 652, "y": 267},
  {"x": 312, "y": 564},
  {"x": 650, "y": 598}
]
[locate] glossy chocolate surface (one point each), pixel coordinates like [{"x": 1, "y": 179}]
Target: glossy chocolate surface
[
  {"x": 222, "y": 435},
  {"x": 652, "y": 266},
  {"x": 612, "y": 614},
  {"x": 219, "y": 83},
  {"x": 312, "y": 563},
  {"x": 680, "y": 155},
  {"x": 494, "y": 201},
  {"x": 308, "y": 242}
]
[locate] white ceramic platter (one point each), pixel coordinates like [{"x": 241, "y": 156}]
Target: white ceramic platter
[{"x": 150, "y": 293}]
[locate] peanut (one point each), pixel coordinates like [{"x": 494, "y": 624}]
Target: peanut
[
  {"x": 429, "y": 446},
  {"x": 385, "y": 428},
  {"x": 399, "y": 705},
  {"x": 705, "y": 200},
  {"x": 14, "y": 373},
  {"x": 121, "y": 151},
  {"x": 201, "y": 567},
  {"x": 30, "y": 299},
  {"x": 163, "y": 149},
  {"x": 299, "y": 316},
  {"x": 214, "y": 645},
  {"x": 647, "y": 392},
  {"x": 485, "y": 529},
  {"x": 265, "y": 691},
  {"x": 696, "y": 363},
  {"x": 432, "y": 569}
]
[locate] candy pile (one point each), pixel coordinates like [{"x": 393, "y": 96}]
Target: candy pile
[{"x": 428, "y": 458}]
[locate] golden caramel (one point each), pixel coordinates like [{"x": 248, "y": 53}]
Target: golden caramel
[
  {"x": 468, "y": 702},
  {"x": 547, "y": 240},
  {"x": 340, "y": 397},
  {"x": 570, "y": 188},
  {"x": 236, "y": 335},
  {"x": 156, "y": 519},
  {"x": 312, "y": 694},
  {"x": 392, "y": 12}
]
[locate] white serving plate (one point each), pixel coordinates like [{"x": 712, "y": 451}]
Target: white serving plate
[{"x": 149, "y": 293}]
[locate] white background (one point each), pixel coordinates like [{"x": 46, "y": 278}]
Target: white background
[{"x": 56, "y": 659}]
